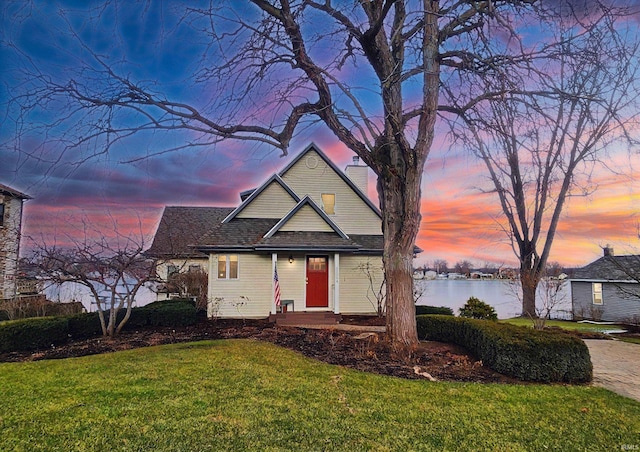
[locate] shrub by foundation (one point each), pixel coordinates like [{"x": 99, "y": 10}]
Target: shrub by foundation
[
  {"x": 433, "y": 310},
  {"x": 32, "y": 333},
  {"x": 84, "y": 326},
  {"x": 524, "y": 353}
]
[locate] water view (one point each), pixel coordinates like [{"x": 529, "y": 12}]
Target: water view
[{"x": 498, "y": 293}]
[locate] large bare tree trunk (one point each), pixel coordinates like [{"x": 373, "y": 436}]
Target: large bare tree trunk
[
  {"x": 399, "y": 193},
  {"x": 529, "y": 280}
]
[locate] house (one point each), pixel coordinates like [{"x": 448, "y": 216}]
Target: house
[
  {"x": 307, "y": 240},
  {"x": 607, "y": 289},
  {"x": 11, "y": 203}
]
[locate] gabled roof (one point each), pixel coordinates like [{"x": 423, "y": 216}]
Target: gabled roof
[
  {"x": 349, "y": 182},
  {"x": 275, "y": 178},
  {"x": 306, "y": 201},
  {"x": 611, "y": 268},
  {"x": 6, "y": 190},
  {"x": 181, "y": 228}
]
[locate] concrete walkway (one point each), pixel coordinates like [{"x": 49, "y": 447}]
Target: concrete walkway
[{"x": 616, "y": 366}]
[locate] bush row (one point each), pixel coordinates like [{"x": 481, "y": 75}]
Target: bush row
[
  {"x": 442, "y": 310},
  {"x": 524, "y": 353},
  {"x": 37, "y": 333}
]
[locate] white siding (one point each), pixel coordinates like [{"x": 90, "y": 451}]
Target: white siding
[
  {"x": 359, "y": 286},
  {"x": 292, "y": 279},
  {"x": 248, "y": 296},
  {"x": 306, "y": 219},
  {"x": 273, "y": 202},
  {"x": 312, "y": 176},
  {"x": 9, "y": 245}
]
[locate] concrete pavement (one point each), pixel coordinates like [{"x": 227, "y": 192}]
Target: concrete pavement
[{"x": 616, "y": 366}]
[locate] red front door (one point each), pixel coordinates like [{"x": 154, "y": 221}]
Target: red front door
[{"x": 317, "y": 282}]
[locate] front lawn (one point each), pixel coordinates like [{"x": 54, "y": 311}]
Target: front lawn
[
  {"x": 565, "y": 325},
  {"x": 249, "y": 395}
]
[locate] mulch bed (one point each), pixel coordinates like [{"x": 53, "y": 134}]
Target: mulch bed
[{"x": 365, "y": 352}]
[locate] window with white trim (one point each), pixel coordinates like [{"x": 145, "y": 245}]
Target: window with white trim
[
  {"x": 596, "y": 290},
  {"x": 227, "y": 266},
  {"x": 329, "y": 203}
]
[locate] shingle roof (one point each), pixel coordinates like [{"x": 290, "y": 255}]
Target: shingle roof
[
  {"x": 611, "y": 268},
  {"x": 182, "y": 227},
  {"x": 239, "y": 232},
  {"x": 5, "y": 189},
  {"x": 307, "y": 240}
]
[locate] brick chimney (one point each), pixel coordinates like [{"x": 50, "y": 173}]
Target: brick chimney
[{"x": 608, "y": 251}]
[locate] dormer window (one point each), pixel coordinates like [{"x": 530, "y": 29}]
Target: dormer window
[{"x": 329, "y": 203}]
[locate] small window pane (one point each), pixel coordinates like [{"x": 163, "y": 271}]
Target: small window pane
[
  {"x": 222, "y": 267},
  {"x": 597, "y": 293},
  {"x": 233, "y": 266},
  {"x": 329, "y": 203}
]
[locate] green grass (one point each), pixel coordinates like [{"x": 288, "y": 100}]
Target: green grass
[
  {"x": 248, "y": 395},
  {"x": 565, "y": 324}
]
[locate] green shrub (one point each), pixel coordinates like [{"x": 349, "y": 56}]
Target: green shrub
[
  {"x": 32, "y": 333},
  {"x": 84, "y": 326},
  {"x": 172, "y": 313},
  {"x": 433, "y": 310},
  {"x": 478, "y": 309},
  {"x": 520, "y": 352}
]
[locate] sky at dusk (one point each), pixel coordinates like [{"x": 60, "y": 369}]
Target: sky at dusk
[{"x": 460, "y": 219}]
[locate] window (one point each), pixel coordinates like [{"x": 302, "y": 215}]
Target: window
[
  {"x": 228, "y": 266},
  {"x": 194, "y": 268},
  {"x": 329, "y": 203},
  {"x": 596, "y": 289},
  {"x": 171, "y": 270},
  {"x": 1, "y": 214}
]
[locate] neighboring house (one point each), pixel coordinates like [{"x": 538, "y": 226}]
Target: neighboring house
[
  {"x": 11, "y": 203},
  {"x": 607, "y": 289},
  {"x": 310, "y": 224}
]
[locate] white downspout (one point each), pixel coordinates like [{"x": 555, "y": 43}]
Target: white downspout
[{"x": 336, "y": 283}]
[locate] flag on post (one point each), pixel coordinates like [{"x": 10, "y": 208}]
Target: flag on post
[{"x": 276, "y": 285}]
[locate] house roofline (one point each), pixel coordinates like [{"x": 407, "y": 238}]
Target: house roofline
[
  {"x": 333, "y": 166},
  {"x": 602, "y": 280},
  {"x": 305, "y": 201},
  {"x": 274, "y": 178}
]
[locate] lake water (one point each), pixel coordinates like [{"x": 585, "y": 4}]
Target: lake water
[{"x": 497, "y": 293}]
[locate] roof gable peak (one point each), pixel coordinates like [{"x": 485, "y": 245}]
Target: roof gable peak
[{"x": 306, "y": 201}]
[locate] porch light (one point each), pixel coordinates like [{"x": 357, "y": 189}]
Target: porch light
[{"x": 290, "y": 259}]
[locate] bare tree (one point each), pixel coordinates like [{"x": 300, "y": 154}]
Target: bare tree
[
  {"x": 463, "y": 267},
  {"x": 440, "y": 265},
  {"x": 556, "y": 116},
  {"x": 371, "y": 73},
  {"x": 113, "y": 272}
]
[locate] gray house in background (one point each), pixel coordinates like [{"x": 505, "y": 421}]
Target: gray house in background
[{"x": 607, "y": 289}]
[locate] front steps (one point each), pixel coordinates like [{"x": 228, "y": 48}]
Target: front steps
[{"x": 305, "y": 318}]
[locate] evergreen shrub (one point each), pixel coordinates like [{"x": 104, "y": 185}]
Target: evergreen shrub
[
  {"x": 433, "y": 310},
  {"x": 478, "y": 309},
  {"x": 524, "y": 353},
  {"x": 32, "y": 333}
]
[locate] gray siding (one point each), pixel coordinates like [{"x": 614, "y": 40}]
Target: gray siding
[{"x": 616, "y": 307}]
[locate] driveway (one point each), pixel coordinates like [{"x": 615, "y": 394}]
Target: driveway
[{"x": 616, "y": 366}]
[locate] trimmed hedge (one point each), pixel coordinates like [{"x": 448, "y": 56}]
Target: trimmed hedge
[
  {"x": 425, "y": 310},
  {"x": 42, "y": 332},
  {"x": 33, "y": 333},
  {"x": 524, "y": 353}
]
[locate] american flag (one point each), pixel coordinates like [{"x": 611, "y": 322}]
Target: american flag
[{"x": 276, "y": 285}]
